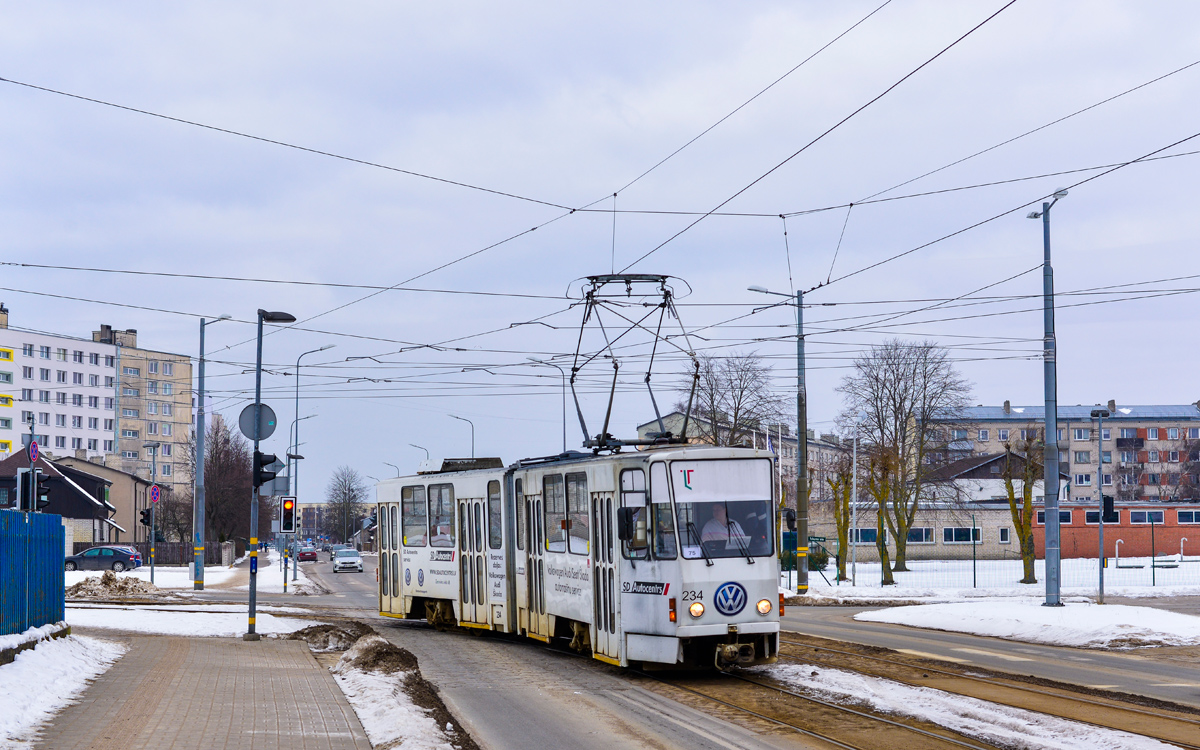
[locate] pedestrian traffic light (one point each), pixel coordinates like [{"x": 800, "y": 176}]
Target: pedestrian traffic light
[
  {"x": 287, "y": 516},
  {"x": 261, "y": 462},
  {"x": 42, "y": 493},
  {"x": 145, "y": 517},
  {"x": 1110, "y": 513}
]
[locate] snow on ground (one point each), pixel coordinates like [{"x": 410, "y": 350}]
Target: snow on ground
[
  {"x": 1084, "y": 625},
  {"x": 389, "y": 716},
  {"x": 43, "y": 680},
  {"x": 996, "y": 724},
  {"x": 956, "y": 580},
  {"x": 155, "y": 620},
  {"x": 193, "y": 606},
  {"x": 164, "y": 577},
  {"x": 29, "y": 636},
  {"x": 270, "y": 577}
]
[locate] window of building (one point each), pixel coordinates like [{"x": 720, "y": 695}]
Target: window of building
[
  {"x": 94, "y": 402},
  {"x": 26, "y": 394},
  {"x": 1107, "y": 480},
  {"x": 1173, "y": 457},
  {"x": 1152, "y": 433},
  {"x": 60, "y": 420},
  {"x": 165, "y": 429},
  {"x": 1153, "y": 457},
  {"x": 44, "y": 417},
  {"x": 131, "y": 392},
  {"x": 151, "y": 386},
  {"x": 1146, "y": 516},
  {"x": 1128, "y": 432},
  {"x": 1082, "y": 433},
  {"x": 77, "y": 399},
  {"x": 1083, "y": 480},
  {"x": 1172, "y": 433},
  {"x": 108, "y": 425},
  {"x": 128, "y": 454},
  {"x": 94, "y": 358},
  {"x": 1030, "y": 434},
  {"x": 866, "y": 536},
  {"x": 27, "y": 349},
  {"x": 93, "y": 444},
  {"x": 109, "y": 360},
  {"x": 108, "y": 446},
  {"x": 60, "y": 441},
  {"x": 1002, "y": 435},
  {"x": 77, "y": 356},
  {"x": 134, "y": 371},
  {"x": 441, "y": 515},
  {"x": 1083, "y": 457},
  {"x": 152, "y": 368},
  {"x": 920, "y": 536},
  {"x": 168, "y": 368},
  {"x": 1106, "y": 434},
  {"x": 168, "y": 389},
  {"x": 1092, "y": 518},
  {"x": 44, "y": 374},
  {"x": 1004, "y": 535},
  {"x": 1106, "y": 457},
  {"x": 44, "y": 397},
  {"x": 6, "y": 377},
  {"x": 130, "y": 434},
  {"x": 994, "y": 468},
  {"x": 93, "y": 423},
  {"x": 60, "y": 354},
  {"x": 1194, "y": 433},
  {"x": 578, "y": 521},
  {"x": 958, "y": 434},
  {"x": 27, "y": 373},
  {"x": 152, "y": 407},
  {"x": 60, "y": 398},
  {"x": 1064, "y": 517},
  {"x": 152, "y": 428},
  {"x": 77, "y": 423},
  {"x": 983, "y": 436},
  {"x": 164, "y": 449},
  {"x": 44, "y": 352},
  {"x": 62, "y": 376},
  {"x": 1128, "y": 457},
  {"x": 164, "y": 470},
  {"x": 109, "y": 403},
  {"x": 5, "y": 423},
  {"x": 131, "y": 413},
  {"x": 76, "y": 443},
  {"x": 1064, "y": 457},
  {"x": 167, "y": 410},
  {"x": 1154, "y": 479},
  {"x": 960, "y": 534},
  {"x": 26, "y": 417},
  {"x": 1189, "y": 516}
]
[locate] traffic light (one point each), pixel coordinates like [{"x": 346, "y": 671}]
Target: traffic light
[
  {"x": 261, "y": 462},
  {"x": 145, "y": 517},
  {"x": 42, "y": 485},
  {"x": 1110, "y": 513},
  {"x": 287, "y": 516}
]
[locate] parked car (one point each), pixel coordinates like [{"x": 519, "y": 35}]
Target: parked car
[
  {"x": 347, "y": 559},
  {"x": 306, "y": 554},
  {"x": 108, "y": 557}
]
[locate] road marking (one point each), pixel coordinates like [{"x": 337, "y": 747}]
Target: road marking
[
  {"x": 996, "y": 654},
  {"x": 1175, "y": 684},
  {"x": 1103, "y": 687},
  {"x": 925, "y": 655}
]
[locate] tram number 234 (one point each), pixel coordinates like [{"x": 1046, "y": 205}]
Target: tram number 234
[{"x": 693, "y": 596}]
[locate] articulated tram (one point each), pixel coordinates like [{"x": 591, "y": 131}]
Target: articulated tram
[{"x": 663, "y": 557}]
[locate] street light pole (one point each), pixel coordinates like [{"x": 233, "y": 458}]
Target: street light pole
[
  {"x": 1100, "y": 414},
  {"x": 563, "y": 373},
  {"x": 295, "y": 478},
  {"x": 198, "y": 520},
  {"x": 424, "y": 449},
  {"x": 1050, "y": 374},
  {"x": 272, "y": 317},
  {"x": 153, "y": 446},
  {"x": 394, "y": 466},
  {"x": 801, "y": 445},
  {"x": 462, "y": 419}
]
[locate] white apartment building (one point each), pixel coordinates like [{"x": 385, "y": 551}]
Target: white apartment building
[{"x": 66, "y": 385}]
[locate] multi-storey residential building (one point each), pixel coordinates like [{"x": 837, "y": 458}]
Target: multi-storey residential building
[
  {"x": 311, "y": 517},
  {"x": 154, "y": 405},
  {"x": 826, "y": 453},
  {"x": 1144, "y": 453},
  {"x": 66, "y": 386}
]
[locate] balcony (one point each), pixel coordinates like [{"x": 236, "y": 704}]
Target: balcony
[{"x": 1134, "y": 443}]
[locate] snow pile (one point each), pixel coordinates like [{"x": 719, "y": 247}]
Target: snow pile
[
  {"x": 1002, "y": 726},
  {"x": 29, "y": 636},
  {"x": 1082, "y": 625},
  {"x": 167, "y": 622},
  {"x": 43, "y": 680},
  {"x": 165, "y": 577},
  {"x": 111, "y": 586},
  {"x": 396, "y": 706},
  {"x": 269, "y": 579},
  {"x": 326, "y": 638}
]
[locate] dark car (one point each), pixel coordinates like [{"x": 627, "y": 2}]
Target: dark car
[
  {"x": 306, "y": 554},
  {"x": 108, "y": 557},
  {"x": 334, "y": 550}
]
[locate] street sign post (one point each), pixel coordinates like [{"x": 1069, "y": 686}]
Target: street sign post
[
  {"x": 267, "y": 422},
  {"x": 33, "y": 452},
  {"x": 155, "y": 493}
]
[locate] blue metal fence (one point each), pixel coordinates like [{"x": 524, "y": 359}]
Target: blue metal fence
[{"x": 31, "y": 570}]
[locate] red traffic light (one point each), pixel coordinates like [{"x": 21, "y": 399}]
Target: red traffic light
[{"x": 287, "y": 504}]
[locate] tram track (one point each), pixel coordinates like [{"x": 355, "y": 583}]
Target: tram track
[
  {"x": 838, "y": 725},
  {"x": 1178, "y": 725}
]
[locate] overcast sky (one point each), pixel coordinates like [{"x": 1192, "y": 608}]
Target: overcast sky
[{"x": 565, "y": 104}]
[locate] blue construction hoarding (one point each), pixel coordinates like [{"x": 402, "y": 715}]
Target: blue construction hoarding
[{"x": 31, "y": 570}]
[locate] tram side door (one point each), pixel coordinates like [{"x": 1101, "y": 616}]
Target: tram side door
[
  {"x": 539, "y": 623},
  {"x": 604, "y": 603},
  {"x": 472, "y": 566}
]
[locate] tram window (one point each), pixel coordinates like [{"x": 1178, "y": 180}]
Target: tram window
[
  {"x": 396, "y": 526},
  {"x": 395, "y": 574},
  {"x": 383, "y": 574},
  {"x": 464, "y": 526},
  {"x": 661, "y": 518},
  {"x": 495, "y": 540},
  {"x": 633, "y": 495},
  {"x": 413, "y": 508},
  {"x": 578, "y": 526},
  {"x": 555, "y": 505},
  {"x": 522, "y": 520},
  {"x": 383, "y": 528},
  {"x": 441, "y": 515}
]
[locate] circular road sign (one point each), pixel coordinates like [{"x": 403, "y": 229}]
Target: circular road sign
[
  {"x": 266, "y": 426},
  {"x": 154, "y": 493},
  {"x": 33, "y": 451}
]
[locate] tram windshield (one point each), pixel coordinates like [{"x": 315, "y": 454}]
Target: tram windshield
[{"x": 724, "y": 507}]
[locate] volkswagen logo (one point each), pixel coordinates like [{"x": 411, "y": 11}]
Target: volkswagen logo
[
  {"x": 420, "y": 577},
  {"x": 407, "y": 576},
  {"x": 730, "y": 599}
]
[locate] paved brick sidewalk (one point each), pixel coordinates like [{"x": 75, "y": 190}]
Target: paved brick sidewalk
[{"x": 210, "y": 694}]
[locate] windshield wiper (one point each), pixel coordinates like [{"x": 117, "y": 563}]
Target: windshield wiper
[
  {"x": 693, "y": 533},
  {"x": 741, "y": 543}
]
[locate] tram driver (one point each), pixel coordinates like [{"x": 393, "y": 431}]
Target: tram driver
[{"x": 720, "y": 528}]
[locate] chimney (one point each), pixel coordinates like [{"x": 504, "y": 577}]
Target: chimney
[
  {"x": 81, "y": 454},
  {"x": 1008, "y": 407},
  {"x": 1112, "y": 406},
  {"x": 112, "y": 460},
  {"x": 3, "y": 316}
]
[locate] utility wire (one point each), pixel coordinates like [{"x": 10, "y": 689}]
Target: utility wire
[{"x": 804, "y": 148}]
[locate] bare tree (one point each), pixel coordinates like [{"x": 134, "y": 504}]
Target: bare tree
[
  {"x": 174, "y": 515},
  {"x": 345, "y": 499},
  {"x": 880, "y": 469},
  {"x": 841, "y": 486},
  {"x": 733, "y": 399},
  {"x": 227, "y": 482},
  {"x": 1027, "y": 470},
  {"x": 913, "y": 400}
]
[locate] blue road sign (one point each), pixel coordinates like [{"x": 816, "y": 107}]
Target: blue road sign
[
  {"x": 154, "y": 493},
  {"x": 254, "y": 565},
  {"x": 33, "y": 451}
]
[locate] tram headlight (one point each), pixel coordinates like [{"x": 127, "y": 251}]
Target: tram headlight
[
  {"x": 764, "y": 606},
  {"x": 696, "y": 609}
]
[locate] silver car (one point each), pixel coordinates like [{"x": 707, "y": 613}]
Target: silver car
[{"x": 347, "y": 559}]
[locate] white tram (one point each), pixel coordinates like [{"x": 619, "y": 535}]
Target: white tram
[{"x": 660, "y": 557}]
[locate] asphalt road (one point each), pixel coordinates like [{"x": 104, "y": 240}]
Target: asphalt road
[{"x": 1166, "y": 674}]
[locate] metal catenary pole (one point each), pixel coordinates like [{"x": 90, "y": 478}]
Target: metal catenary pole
[
  {"x": 1049, "y": 349},
  {"x": 1100, "y": 494},
  {"x": 854, "y": 512},
  {"x": 251, "y": 635},
  {"x": 801, "y": 455},
  {"x": 153, "y": 507},
  {"x": 198, "y": 523}
]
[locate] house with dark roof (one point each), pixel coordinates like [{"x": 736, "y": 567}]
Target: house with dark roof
[{"x": 80, "y": 498}]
